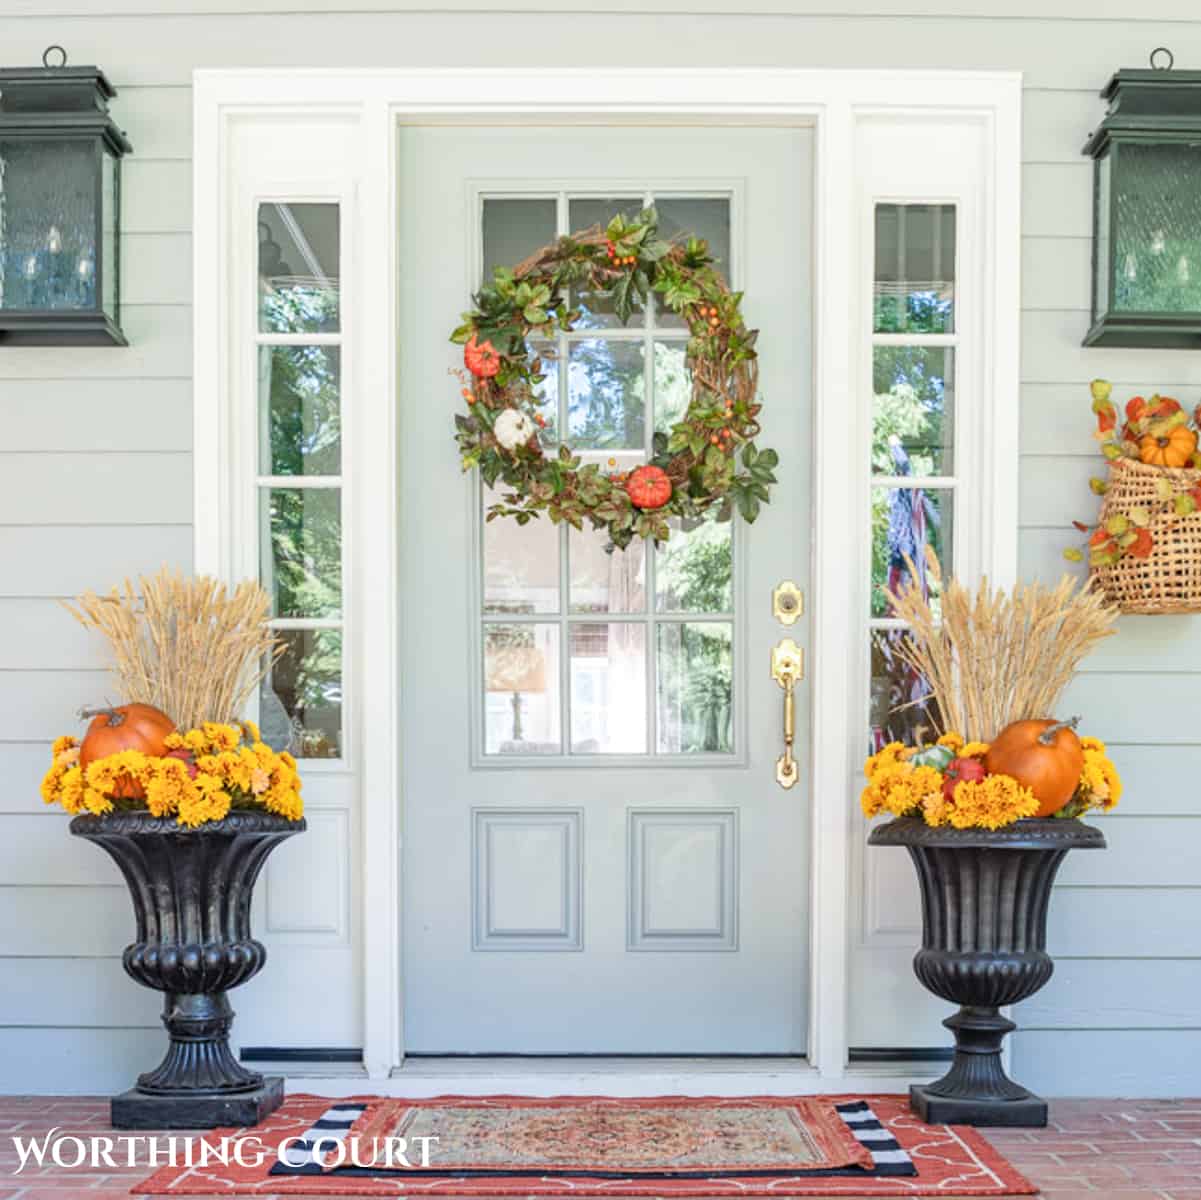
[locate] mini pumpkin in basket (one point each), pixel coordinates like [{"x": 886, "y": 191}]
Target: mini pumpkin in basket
[{"x": 1144, "y": 553}]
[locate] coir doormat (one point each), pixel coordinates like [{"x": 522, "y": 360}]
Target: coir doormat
[{"x": 594, "y": 1146}]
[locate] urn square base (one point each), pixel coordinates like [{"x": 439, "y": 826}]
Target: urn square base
[
  {"x": 1027, "y": 1113},
  {"x": 140, "y": 1110}
]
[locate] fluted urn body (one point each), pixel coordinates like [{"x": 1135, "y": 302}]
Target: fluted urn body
[
  {"x": 985, "y": 896},
  {"x": 191, "y": 891}
]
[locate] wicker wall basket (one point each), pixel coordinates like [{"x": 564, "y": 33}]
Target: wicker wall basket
[{"x": 1169, "y": 580}]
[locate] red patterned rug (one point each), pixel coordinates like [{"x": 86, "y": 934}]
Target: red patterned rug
[{"x": 668, "y": 1146}]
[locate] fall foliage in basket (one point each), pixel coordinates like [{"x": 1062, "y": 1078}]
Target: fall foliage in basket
[
  {"x": 996, "y": 664},
  {"x": 708, "y": 461},
  {"x": 1144, "y": 553}
]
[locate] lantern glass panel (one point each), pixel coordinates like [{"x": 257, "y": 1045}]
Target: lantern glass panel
[
  {"x": 1103, "y": 262},
  {"x": 1157, "y": 235},
  {"x": 110, "y": 222},
  {"x": 48, "y": 223}
]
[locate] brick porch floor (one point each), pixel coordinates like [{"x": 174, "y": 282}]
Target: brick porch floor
[{"x": 1127, "y": 1149}]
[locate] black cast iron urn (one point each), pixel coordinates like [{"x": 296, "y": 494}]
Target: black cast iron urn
[
  {"x": 191, "y": 891},
  {"x": 985, "y": 895}
]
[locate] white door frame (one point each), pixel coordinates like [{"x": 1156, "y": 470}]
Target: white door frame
[{"x": 832, "y": 101}]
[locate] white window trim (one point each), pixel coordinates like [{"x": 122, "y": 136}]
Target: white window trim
[{"x": 831, "y": 101}]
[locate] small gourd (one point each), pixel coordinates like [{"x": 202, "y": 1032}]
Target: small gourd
[{"x": 1175, "y": 449}]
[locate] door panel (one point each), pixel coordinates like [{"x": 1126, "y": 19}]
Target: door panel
[{"x": 597, "y": 857}]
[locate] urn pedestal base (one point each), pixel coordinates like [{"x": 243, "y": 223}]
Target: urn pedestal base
[
  {"x": 142, "y": 1110},
  {"x": 1030, "y": 1113}
]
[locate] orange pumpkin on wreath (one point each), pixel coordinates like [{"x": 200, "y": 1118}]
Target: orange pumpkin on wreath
[{"x": 648, "y": 487}]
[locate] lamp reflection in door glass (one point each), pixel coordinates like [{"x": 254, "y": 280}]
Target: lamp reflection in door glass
[
  {"x": 521, "y": 685},
  {"x": 608, "y": 688},
  {"x": 300, "y": 699}
]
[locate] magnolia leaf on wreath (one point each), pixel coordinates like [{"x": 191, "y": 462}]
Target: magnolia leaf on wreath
[{"x": 708, "y": 461}]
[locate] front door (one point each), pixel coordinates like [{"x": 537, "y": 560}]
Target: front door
[{"x": 597, "y": 856}]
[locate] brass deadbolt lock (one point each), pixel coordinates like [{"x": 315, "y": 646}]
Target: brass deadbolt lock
[{"x": 787, "y": 602}]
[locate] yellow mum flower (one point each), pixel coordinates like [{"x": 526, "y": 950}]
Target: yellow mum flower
[
  {"x": 990, "y": 803},
  {"x": 250, "y": 732},
  {"x": 1092, "y": 743},
  {"x": 96, "y": 803},
  {"x": 951, "y": 739},
  {"x": 66, "y": 742},
  {"x": 222, "y": 737},
  {"x": 1100, "y": 779},
  {"x": 174, "y": 741},
  {"x": 71, "y": 790},
  {"x": 886, "y": 757},
  {"x": 167, "y": 788},
  {"x": 196, "y": 741},
  {"x": 974, "y": 750},
  {"x": 934, "y": 808}
]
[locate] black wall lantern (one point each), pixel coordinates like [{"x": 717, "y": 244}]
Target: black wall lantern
[
  {"x": 60, "y": 206},
  {"x": 1147, "y": 210}
]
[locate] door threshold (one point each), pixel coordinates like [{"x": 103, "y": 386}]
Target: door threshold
[{"x": 616, "y": 1076}]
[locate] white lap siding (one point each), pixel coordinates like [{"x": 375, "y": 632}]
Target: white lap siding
[{"x": 95, "y": 484}]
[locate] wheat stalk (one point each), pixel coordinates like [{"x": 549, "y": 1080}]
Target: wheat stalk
[
  {"x": 187, "y": 646},
  {"x": 997, "y": 657}
]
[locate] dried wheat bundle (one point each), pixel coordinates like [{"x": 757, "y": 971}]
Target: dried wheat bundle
[
  {"x": 998, "y": 657},
  {"x": 185, "y": 645}
]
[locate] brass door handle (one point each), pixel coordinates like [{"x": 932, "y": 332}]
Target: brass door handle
[{"x": 787, "y": 668}]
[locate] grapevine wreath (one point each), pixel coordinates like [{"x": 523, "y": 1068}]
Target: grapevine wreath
[{"x": 708, "y": 461}]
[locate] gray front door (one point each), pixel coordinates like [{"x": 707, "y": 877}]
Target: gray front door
[{"x": 597, "y": 856}]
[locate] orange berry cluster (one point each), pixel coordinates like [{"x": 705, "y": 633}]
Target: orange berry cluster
[
  {"x": 709, "y": 313},
  {"x": 723, "y": 437},
  {"x": 626, "y": 260}
]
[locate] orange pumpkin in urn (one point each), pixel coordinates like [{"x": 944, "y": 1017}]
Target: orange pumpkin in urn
[
  {"x": 1045, "y": 756},
  {"x": 127, "y": 727}
]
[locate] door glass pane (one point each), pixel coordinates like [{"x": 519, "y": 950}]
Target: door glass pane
[
  {"x": 608, "y": 688},
  {"x": 694, "y": 568},
  {"x": 300, "y": 701},
  {"x": 900, "y": 708},
  {"x": 904, "y": 522},
  {"x": 300, "y": 430},
  {"x": 545, "y": 356},
  {"x": 705, "y": 217},
  {"x": 302, "y": 551},
  {"x": 521, "y": 689},
  {"x": 915, "y": 268},
  {"x": 513, "y": 228},
  {"x": 521, "y": 562},
  {"x": 913, "y": 410},
  {"x": 673, "y": 385},
  {"x": 596, "y": 311},
  {"x": 605, "y": 395},
  {"x": 695, "y": 687},
  {"x": 299, "y": 256},
  {"x": 604, "y": 581}
]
